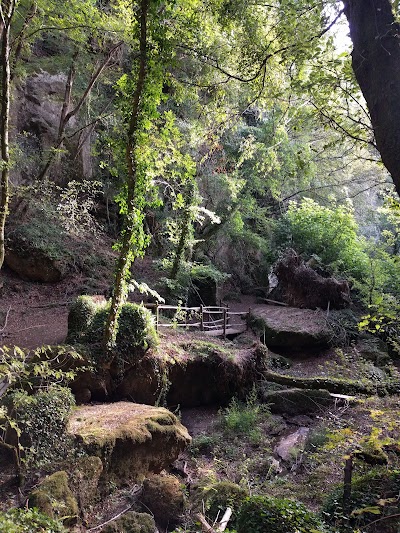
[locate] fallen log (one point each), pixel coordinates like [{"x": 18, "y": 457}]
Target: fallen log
[{"x": 334, "y": 385}]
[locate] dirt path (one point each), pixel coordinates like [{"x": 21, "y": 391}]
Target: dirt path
[{"x": 34, "y": 314}]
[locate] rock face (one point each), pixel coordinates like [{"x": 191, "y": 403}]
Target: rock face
[
  {"x": 291, "y": 328},
  {"x": 130, "y": 439},
  {"x": 38, "y": 108}
]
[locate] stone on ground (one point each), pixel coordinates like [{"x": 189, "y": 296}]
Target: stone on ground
[
  {"x": 131, "y": 439},
  {"x": 291, "y": 328}
]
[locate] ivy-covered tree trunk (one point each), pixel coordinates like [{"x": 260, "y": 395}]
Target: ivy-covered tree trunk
[
  {"x": 7, "y": 9},
  {"x": 376, "y": 64},
  {"x": 133, "y": 223},
  {"x": 185, "y": 231}
]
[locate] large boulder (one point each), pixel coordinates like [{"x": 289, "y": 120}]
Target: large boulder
[
  {"x": 291, "y": 328},
  {"x": 294, "y": 402},
  {"x": 34, "y": 261},
  {"x": 130, "y": 439}
]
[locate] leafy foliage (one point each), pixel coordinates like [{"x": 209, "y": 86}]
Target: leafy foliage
[
  {"x": 136, "y": 331},
  {"x": 329, "y": 233},
  {"x": 261, "y": 513},
  {"x": 40, "y": 422},
  {"x": 29, "y": 521}
]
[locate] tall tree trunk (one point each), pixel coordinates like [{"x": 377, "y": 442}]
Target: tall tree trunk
[
  {"x": 376, "y": 64},
  {"x": 185, "y": 229},
  {"x": 7, "y": 12},
  {"x": 131, "y": 219}
]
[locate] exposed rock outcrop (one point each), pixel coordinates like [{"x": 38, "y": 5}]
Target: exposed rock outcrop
[
  {"x": 33, "y": 263},
  {"x": 132, "y": 440},
  {"x": 291, "y": 328}
]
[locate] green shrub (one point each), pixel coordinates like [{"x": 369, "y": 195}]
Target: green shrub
[
  {"x": 136, "y": 331},
  {"x": 41, "y": 420},
  {"x": 241, "y": 418},
  {"x": 261, "y": 514},
  {"x": 28, "y": 521},
  {"x": 373, "y": 495},
  {"x": 80, "y": 316},
  {"x": 328, "y": 232}
]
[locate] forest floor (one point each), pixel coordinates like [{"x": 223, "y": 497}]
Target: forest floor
[{"x": 225, "y": 445}]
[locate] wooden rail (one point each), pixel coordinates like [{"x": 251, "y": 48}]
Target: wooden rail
[{"x": 202, "y": 318}]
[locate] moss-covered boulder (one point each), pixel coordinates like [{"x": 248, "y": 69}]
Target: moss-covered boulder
[
  {"x": 54, "y": 498},
  {"x": 297, "y": 401},
  {"x": 291, "y": 328},
  {"x": 35, "y": 260},
  {"x": 84, "y": 481},
  {"x": 132, "y": 440},
  {"x": 163, "y": 495},
  {"x": 195, "y": 372},
  {"x": 131, "y": 522}
]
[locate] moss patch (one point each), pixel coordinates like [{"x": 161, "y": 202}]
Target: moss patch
[
  {"x": 54, "y": 498},
  {"x": 131, "y": 439}
]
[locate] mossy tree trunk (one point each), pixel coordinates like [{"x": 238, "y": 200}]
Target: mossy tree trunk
[
  {"x": 133, "y": 216},
  {"x": 185, "y": 231},
  {"x": 7, "y": 9}
]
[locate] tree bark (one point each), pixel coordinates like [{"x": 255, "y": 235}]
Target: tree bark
[
  {"x": 131, "y": 221},
  {"x": 376, "y": 63},
  {"x": 7, "y": 12}
]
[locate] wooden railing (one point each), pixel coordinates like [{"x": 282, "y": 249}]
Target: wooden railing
[{"x": 212, "y": 320}]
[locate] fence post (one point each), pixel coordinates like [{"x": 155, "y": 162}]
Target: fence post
[
  {"x": 156, "y": 316},
  {"x": 201, "y": 319},
  {"x": 225, "y": 320}
]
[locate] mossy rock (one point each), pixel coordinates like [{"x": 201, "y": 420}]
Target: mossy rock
[
  {"x": 293, "y": 329},
  {"x": 132, "y": 440},
  {"x": 163, "y": 495},
  {"x": 54, "y": 498},
  {"x": 36, "y": 259},
  {"x": 131, "y": 522},
  {"x": 297, "y": 401},
  {"x": 85, "y": 479},
  {"x": 261, "y": 514}
]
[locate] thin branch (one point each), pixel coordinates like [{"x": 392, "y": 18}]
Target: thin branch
[
  {"x": 6, "y": 319},
  {"x": 342, "y": 128},
  {"x": 21, "y": 37},
  {"x": 92, "y": 81},
  {"x": 214, "y": 61}
]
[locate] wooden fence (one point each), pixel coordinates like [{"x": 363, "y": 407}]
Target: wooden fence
[{"x": 212, "y": 320}]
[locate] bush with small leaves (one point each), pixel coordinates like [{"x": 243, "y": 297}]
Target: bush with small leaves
[
  {"x": 259, "y": 514},
  {"x": 29, "y": 521},
  {"x": 136, "y": 331},
  {"x": 39, "y": 423}
]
